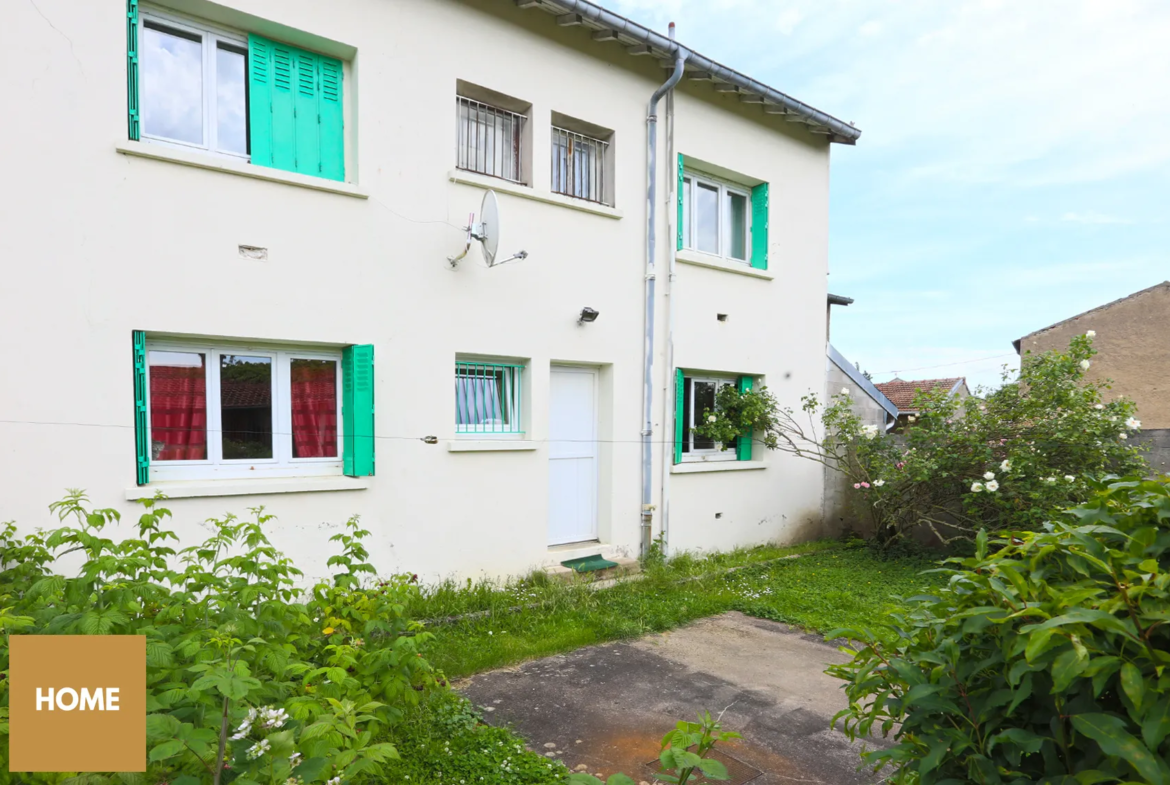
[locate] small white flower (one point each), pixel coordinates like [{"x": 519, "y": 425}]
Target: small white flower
[
  {"x": 258, "y": 749},
  {"x": 1069, "y": 478},
  {"x": 1123, "y": 435},
  {"x": 711, "y": 418},
  {"x": 1091, "y": 334},
  {"x": 878, "y": 483},
  {"x": 1133, "y": 424},
  {"x": 993, "y": 486},
  {"x": 989, "y": 475},
  {"x": 1005, "y": 466},
  {"x": 294, "y": 760},
  {"x": 912, "y": 418},
  {"x": 1050, "y": 480},
  {"x": 1099, "y": 406},
  {"x": 334, "y": 781},
  {"x": 976, "y": 487},
  {"x": 844, "y": 390},
  {"x": 1084, "y": 365},
  {"x": 869, "y": 431}
]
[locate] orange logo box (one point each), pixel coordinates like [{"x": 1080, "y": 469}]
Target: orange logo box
[{"x": 77, "y": 703}]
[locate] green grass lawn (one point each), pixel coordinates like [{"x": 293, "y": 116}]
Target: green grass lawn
[
  {"x": 444, "y": 740},
  {"x": 829, "y": 586}
]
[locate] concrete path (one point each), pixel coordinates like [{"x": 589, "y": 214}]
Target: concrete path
[{"x": 605, "y": 708}]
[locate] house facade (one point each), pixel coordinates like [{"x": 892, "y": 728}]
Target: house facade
[
  {"x": 235, "y": 277},
  {"x": 1132, "y": 340}
]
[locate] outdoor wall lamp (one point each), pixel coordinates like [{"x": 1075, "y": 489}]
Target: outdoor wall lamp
[{"x": 588, "y": 315}]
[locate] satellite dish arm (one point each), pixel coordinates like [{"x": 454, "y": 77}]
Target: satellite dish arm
[{"x": 454, "y": 260}]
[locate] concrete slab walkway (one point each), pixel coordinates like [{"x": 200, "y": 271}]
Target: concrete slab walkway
[{"x": 605, "y": 708}]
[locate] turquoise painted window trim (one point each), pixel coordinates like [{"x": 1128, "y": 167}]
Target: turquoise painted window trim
[
  {"x": 489, "y": 397},
  {"x": 743, "y": 445},
  {"x": 141, "y": 437},
  {"x": 760, "y": 227},
  {"x": 132, "y": 116},
  {"x": 357, "y": 410},
  {"x": 680, "y": 392},
  {"x": 295, "y": 109}
]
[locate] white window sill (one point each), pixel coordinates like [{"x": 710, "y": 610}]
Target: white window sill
[
  {"x": 187, "y": 490},
  {"x": 202, "y": 160},
  {"x": 528, "y": 192},
  {"x": 700, "y": 259},
  {"x": 490, "y": 445},
  {"x": 701, "y": 467}
]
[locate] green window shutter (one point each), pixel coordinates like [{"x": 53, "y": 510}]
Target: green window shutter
[
  {"x": 760, "y": 226},
  {"x": 295, "y": 109},
  {"x": 743, "y": 445},
  {"x": 680, "y": 391},
  {"x": 260, "y": 100},
  {"x": 680, "y": 202},
  {"x": 332, "y": 129},
  {"x": 357, "y": 410},
  {"x": 141, "y": 437},
  {"x": 132, "y": 117}
]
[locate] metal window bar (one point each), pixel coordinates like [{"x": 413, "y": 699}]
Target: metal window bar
[
  {"x": 578, "y": 165},
  {"x": 489, "y": 139},
  {"x": 488, "y": 397}
]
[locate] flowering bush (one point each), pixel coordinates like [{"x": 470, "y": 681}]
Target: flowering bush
[
  {"x": 1045, "y": 660},
  {"x": 248, "y": 679},
  {"x": 1006, "y": 460}
]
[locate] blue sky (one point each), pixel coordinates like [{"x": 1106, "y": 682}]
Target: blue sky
[{"x": 1014, "y": 166}]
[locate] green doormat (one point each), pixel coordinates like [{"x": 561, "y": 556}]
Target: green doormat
[{"x": 589, "y": 563}]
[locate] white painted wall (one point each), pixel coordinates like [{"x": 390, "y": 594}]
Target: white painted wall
[{"x": 96, "y": 244}]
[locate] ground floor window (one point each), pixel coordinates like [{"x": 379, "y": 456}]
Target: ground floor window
[
  {"x": 695, "y": 394},
  {"x": 488, "y": 397},
  {"x": 223, "y": 410}
]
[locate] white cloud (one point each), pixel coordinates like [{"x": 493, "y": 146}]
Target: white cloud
[{"x": 788, "y": 19}]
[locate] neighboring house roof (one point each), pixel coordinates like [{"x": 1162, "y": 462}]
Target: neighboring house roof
[
  {"x": 1016, "y": 343},
  {"x": 859, "y": 379},
  {"x": 837, "y": 299},
  {"x": 902, "y": 392},
  {"x": 642, "y": 41}
]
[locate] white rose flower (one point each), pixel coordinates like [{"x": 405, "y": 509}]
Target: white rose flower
[
  {"x": 1005, "y": 466},
  {"x": 912, "y": 418},
  {"x": 711, "y": 418},
  {"x": 844, "y": 390},
  {"x": 989, "y": 476},
  {"x": 993, "y": 486},
  {"x": 1099, "y": 406},
  {"x": 1050, "y": 480},
  {"x": 1123, "y": 435},
  {"x": 976, "y": 487},
  {"x": 878, "y": 483},
  {"x": 869, "y": 431},
  {"x": 1091, "y": 334},
  {"x": 1133, "y": 424},
  {"x": 1069, "y": 478},
  {"x": 1084, "y": 365}
]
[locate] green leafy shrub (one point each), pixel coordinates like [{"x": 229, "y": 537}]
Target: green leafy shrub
[
  {"x": 1006, "y": 460},
  {"x": 1045, "y": 660},
  {"x": 249, "y": 680}
]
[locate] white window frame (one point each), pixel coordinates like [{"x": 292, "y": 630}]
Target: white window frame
[
  {"x": 723, "y": 241},
  {"x": 282, "y": 463},
  {"x": 715, "y": 453},
  {"x": 210, "y": 37}
]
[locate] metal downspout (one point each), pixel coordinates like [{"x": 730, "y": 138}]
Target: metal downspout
[
  {"x": 651, "y": 249},
  {"x": 668, "y": 402}
]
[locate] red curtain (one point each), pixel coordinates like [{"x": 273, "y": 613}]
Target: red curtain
[
  {"x": 314, "y": 408},
  {"x": 178, "y": 412}
]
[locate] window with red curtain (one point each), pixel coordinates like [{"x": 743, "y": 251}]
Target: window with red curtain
[
  {"x": 314, "y": 408},
  {"x": 178, "y": 406}
]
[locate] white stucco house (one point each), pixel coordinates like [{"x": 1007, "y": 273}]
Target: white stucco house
[{"x": 228, "y": 231}]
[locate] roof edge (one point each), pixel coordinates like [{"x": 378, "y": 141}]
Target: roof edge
[
  {"x": 839, "y": 131},
  {"x": 856, "y": 377}
]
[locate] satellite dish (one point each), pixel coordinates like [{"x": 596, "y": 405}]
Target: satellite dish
[
  {"x": 487, "y": 231},
  {"x": 489, "y": 227}
]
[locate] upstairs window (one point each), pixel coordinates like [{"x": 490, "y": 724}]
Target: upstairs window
[
  {"x": 581, "y": 165},
  {"x": 491, "y": 140},
  {"x": 722, "y": 218},
  {"x": 199, "y": 86}
]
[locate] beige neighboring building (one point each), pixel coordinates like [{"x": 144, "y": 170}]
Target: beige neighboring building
[
  {"x": 1133, "y": 345},
  {"x": 231, "y": 242}
]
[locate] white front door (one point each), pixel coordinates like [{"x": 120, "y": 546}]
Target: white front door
[{"x": 572, "y": 455}]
